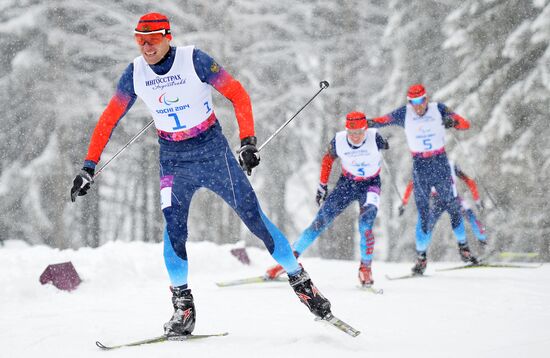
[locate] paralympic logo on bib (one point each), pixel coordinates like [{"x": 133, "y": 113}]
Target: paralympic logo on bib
[{"x": 166, "y": 101}]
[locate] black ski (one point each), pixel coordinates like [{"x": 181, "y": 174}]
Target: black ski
[
  {"x": 249, "y": 280},
  {"x": 160, "y": 339},
  {"x": 489, "y": 265},
  {"x": 338, "y": 323}
]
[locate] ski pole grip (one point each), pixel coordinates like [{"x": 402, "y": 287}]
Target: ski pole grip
[{"x": 324, "y": 84}]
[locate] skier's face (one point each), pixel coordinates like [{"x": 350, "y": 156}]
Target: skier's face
[
  {"x": 153, "y": 46},
  {"x": 419, "y": 105},
  {"x": 356, "y": 136}
]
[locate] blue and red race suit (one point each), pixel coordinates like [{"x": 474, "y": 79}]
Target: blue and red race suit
[
  {"x": 199, "y": 158},
  {"x": 430, "y": 168},
  {"x": 349, "y": 188}
]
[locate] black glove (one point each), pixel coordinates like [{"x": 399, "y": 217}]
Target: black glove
[
  {"x": 385, "y": 144},
  {"x": 322, "y": 192},
  {"x": 401, "y": 210},
  {"x": 248, "y": 154},
  {"x": 82, "y": 182},
  {"x": 480, "y": 205},
  {"x": 449, "y": 122}
]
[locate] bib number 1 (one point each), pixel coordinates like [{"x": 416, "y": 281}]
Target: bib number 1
[{"x": 177, "y": 120}]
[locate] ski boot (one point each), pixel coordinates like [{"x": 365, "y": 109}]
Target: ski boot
[
  {"x": 182, "y": 322},
  {"x": 277, "y": 270},
  {"x": 309, "y": 294},
  {"x": 466, "y": 255},
  {"x": 365, "y": 275},
  {"x": 274, "y": 272},
  {"x": 420, "y": 264}
]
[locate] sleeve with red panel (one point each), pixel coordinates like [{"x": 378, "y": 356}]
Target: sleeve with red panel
[
  {"x": 408, "y": 192},
  {"x": 326, "y": 163},
  {"x": 210, "y": 72},
  {"x": 462, "y": 123},
  {"x": 395, "y": 118},
  {"x": 119, "y": 104},
  {"x": 471, "y": 183},
  {"x": 117, "y": 107}
]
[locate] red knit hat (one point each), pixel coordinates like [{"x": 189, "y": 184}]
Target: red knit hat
[
  {"x": 416, "y": 91},
  {"x": 356, "y": 120},
  {"x": 153, "y": 21}
]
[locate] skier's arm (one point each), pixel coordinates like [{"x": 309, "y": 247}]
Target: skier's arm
[
  {"x": 119, "y": 104},
  {"x": 406, "y": 197},
  {"x": 326, "y": 164},
  {"x": 407, "y": 194},
  {"x": 209, "y": 71},
  {"x": 461, "y": 123},
  {"x": 395, "y": 118},
  {"x": 470, "y": 182}
]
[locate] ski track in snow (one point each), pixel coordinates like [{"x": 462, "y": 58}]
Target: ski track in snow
[{"x": 125, "y": 297}]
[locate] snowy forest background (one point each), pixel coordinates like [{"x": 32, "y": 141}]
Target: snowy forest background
[{"x": 489, "y": 60}]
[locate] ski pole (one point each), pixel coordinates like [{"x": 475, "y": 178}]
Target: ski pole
[
  {"x": 123, "y": 148},
  {"x": 392, "y": 178},
  {"x": 323, "y": 84}
]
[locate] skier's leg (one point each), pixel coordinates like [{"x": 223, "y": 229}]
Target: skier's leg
[
  {"x": 368, "y": 208},
  {"x": 436, "y": 210},
  {"x": 337, "y": 200},
  {"x": 446, "y": 195},
  {"x": 176, "y": 195},
  {"x": 422, "y": 192},
  {"x": 477, "y": 226},
  {"x": 422, "y": 181},
  {"x": 231, "y": 184},
  {"x": 175, "y": 265}
]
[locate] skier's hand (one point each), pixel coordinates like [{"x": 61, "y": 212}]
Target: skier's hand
[
  {"x": 401, "y": 209},
  {"x": 322, "y": 192},
  {"x": 480, "y": 206},
  {"x": 449, "y": 122},
  {"x": 82, "y": 183},
  {"x": 248, "y": 154}
]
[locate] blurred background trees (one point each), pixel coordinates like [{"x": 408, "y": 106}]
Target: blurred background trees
[{"x": 490, "y": 61}]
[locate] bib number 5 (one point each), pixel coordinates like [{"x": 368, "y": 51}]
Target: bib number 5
[{"x": 427, "y": 142}]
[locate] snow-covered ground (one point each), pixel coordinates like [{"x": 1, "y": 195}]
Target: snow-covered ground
[{"x": 125, "y": 296}]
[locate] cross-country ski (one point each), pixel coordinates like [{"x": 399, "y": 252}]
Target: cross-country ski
[
  {"x": 339, "y": 324},
  {"x": 159, "y": 339},
  {"x": 490, "y": 265},
  {"x": 251, "y": 280}
]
